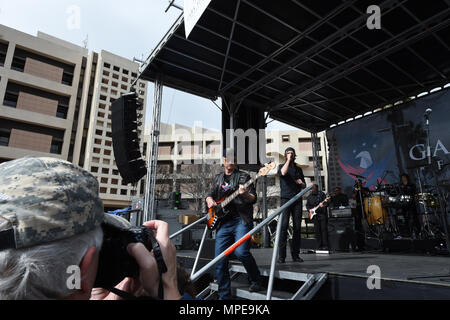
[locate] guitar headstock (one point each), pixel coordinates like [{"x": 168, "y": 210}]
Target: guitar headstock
[{"x": 265, "y": 171}]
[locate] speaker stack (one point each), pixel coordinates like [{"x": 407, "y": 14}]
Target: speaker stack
[
  {"x": 341, "y": 234},
  {"x": 125, "y": 138}
]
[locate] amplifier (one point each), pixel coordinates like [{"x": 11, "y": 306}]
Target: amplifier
[
  {"x": 341, "y": 234},
  {"x": 341, "y": 213}
]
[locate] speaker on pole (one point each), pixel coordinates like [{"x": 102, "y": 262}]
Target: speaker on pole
[{"x": 125, "y": 138}]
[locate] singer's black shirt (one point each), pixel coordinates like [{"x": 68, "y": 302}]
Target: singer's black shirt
[{"x": 289, "y": 188}]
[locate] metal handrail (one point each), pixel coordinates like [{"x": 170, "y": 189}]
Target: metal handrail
[
  {"x": 245, "y": 238},
  {"x": 188, "y": 227},
  {"x": 200, "y": 248}
]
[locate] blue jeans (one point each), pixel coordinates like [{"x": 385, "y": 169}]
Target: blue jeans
[{"x": 228, "y": 233}]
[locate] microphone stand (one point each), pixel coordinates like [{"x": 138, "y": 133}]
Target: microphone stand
[{"x": 443, "y": 214}]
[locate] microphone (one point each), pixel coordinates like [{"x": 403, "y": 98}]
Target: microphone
[{"x": 428, "y": 112}]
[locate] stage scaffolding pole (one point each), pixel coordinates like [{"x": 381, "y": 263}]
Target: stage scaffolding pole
[
  {"x": 316, "y": 160},
  {"x": 266, "y": 236},
  {"x": 152, "y": 160}
]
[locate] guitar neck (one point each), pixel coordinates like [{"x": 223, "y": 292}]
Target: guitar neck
[
  {"x": 318, "y": 206},
  {"x": 236, "y": 193}
]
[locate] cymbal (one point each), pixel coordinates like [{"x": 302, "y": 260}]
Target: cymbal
[{"x": 357, "y": 176}]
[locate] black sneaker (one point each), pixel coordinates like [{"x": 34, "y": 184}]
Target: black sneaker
[
  {"x": 281, "y": 260},
  {"x": 297, "y": 259},
  {"x": 255, "y": 287}
]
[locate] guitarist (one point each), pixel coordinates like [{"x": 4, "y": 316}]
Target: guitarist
[
  {"x": 237, "y": 223},
  {"x": 320, "y": 219}
]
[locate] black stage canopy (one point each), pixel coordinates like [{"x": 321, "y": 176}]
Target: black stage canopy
[{"x": 309, "y": 63}]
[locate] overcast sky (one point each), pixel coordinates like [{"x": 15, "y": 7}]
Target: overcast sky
[{"x": 127, "y": 28}]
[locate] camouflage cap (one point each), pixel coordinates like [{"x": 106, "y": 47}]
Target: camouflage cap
[{"x": 44, "y": 200}]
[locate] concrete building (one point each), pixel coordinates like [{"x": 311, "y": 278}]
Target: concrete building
[
  {"x": 55, "y": 101},
  {"x": 188, "y": 159},
  {"x": 40, "y": 89}
]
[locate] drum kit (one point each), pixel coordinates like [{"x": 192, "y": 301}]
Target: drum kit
[{"x": 382, "y": 205}]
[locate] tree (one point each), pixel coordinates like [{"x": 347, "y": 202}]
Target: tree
[{"x": 196, "y": 180}]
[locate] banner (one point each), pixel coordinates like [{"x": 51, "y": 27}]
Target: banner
[
  {"x": 193, "y": 10},
  {"x": 388, "y": 143}
]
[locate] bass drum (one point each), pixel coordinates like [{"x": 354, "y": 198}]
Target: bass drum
[{"x": 375, "y": 210}]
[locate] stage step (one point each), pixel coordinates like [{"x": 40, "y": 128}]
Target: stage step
[
  {"x": 240, "y": 290},
  {"x": 309, "y": 285},
  {"x": 279, "y": 274}
]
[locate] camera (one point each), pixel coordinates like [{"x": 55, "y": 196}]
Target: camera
[{"x": 115, "y": 263}]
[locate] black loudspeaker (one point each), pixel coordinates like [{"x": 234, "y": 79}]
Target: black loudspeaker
[
  {"x": 125, "y": 138},
  {"x": 341, "y": 234}
]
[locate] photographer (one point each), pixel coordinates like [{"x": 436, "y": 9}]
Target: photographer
[{"x": 51, "y": 220}]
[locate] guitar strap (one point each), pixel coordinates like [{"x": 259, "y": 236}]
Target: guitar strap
[{"x": 237, "y": 176}]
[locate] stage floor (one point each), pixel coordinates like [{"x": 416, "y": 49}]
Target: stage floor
[{"x": 430, "y": 270}]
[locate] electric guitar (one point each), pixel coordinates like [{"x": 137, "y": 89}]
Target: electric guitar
[
  {"x": 216, "y": 214},
  {"x": 313, "y": 211}
]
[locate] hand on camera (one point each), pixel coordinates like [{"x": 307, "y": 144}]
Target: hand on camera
[{"x": 149, "y": 274}]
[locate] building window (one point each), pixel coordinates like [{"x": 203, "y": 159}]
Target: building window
[
  {"x": 18, "y": 64},
  {"x": 116, "y": 69},
  {"x": 286, "y": 138},
  {"x": 269, "y": 141},
  {"x": 11, "y": 99},
  {"x": 62, "y": 111},
  {"x": 67, "y": 78},
  {"x": 4, "y": 137},
  {"x": 107, "y": 65},
  {"x": 3, "y": 51},
  {"x": 104, "y": 180},
  {"x": 103, "y": 190},
  {"x": 56, "y": 147},
  {"x": 123, "y": 192},
  {"x": 94, "y": 169},
  {"x": 105, "y": 171},
  {"x": 113, "y": 191}
]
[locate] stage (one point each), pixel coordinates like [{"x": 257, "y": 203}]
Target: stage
[{"x": 402, "y": 276}]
